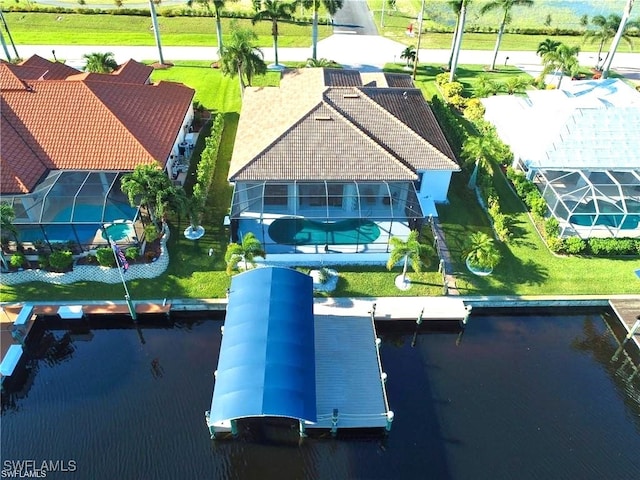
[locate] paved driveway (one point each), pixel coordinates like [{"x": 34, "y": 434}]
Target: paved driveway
[{"x": 354, "y": 18}]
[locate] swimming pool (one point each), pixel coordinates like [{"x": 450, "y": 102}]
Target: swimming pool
[
  {"x": 585, "y": 216},
  {"x": 119, "y": 231},
  {"x": 93, "y": 213},
  {"x": 524, "y": 396},
  {"x": 300, "y": 231}
]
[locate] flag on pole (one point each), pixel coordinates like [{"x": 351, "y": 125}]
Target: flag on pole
[{"x": 121, "y": 258}]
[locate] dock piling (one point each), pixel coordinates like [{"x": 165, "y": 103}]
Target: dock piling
[
  {"x": 334, "y": 421},
  {"x": 390, "y": 416}
]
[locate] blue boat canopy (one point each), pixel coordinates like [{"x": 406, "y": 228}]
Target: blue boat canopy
[{"x": 267, "y": 356}]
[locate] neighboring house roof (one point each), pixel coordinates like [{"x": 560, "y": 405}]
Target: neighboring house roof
[
  {"x": 49, "y": 70},
  {"x": 84, "y": 124},
  {"x": 585, "y": 125},
  {"x": 310, "y": 129}
]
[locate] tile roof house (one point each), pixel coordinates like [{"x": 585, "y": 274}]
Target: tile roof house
[
  {"x": 62, "y": 130},
  {"x": 580, "y": 145},
  {"x": 332, "y": 145}
]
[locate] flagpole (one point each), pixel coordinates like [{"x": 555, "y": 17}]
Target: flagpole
[{"x": 127, "y": 298}]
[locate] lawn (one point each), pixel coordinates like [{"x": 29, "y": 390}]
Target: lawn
[{"x": 77, "y": 29}]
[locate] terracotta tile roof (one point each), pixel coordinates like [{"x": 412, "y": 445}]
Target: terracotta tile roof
[
  {"x": 303, "y": 153},
  {"x": 374, "y": 133},
  {"x": 129, "y": 72},
  {"x": 52, "y": 70},
  {"x": 85, "y": 125}
]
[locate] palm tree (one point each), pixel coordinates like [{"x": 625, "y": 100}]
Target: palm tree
[
  {"x": 410, "y": 251},
  {"x": 481, "y": 252},
  {"x": 564, "y": 59},
  {"x": 150, "y": 187},
  {"x": 332, "y": 6},
  {"x": 245, "y": 251},
  {"x": 156, "y": 28},
  {"x": 546, "y": 46},
  {"x": 505, "y": 6},
  {"x": 241, "y": 57},
  {"x": 409, "y": 54},
  {"x": 605, "y": 31},
  {"x": 456, "y": 6},
  {"x": 462, "y": 16},
  {"x": 479, "y": 149},
  {"x": 217, "y": 6},
  {"x": 100, "y": 62},
  {"x": 624, "y": 21},
  {"x": 321, "y": 62},
  {"x": 274, "y": 10},
  {"x": 7, "y": 216}
]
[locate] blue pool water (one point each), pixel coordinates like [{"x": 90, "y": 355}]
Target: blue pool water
[
  {"x": 93, "y": 213},
  {"x": 522, "y": 396}
]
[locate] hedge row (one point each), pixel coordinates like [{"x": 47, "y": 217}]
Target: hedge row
[
  {"x": 450, "y": 123},
  {"x": 144, "y": 12},
  {"x": 207, "y": 165}
]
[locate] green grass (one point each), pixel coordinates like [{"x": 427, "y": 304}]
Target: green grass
[{"x": 77, "y": 29}]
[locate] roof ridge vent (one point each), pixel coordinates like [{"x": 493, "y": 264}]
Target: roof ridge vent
[
  {"x": 323, "y": 117},
  {"x": 351, "y": 95}
]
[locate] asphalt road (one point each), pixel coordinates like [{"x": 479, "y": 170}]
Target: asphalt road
[{"x": 354, "y": 18}]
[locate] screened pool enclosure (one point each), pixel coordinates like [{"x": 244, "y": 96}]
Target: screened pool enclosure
[
  {"x": 338, "y": 217},
  {"x": 79, "y": 208},
  {"x": 593, "y": 203}
]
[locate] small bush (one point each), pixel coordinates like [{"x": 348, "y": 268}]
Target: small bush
[
  {"x": 452, "y": 89},
  {"x": 105, "y": 257},
  {"x": 61, "y": 260},
  {"x": 537, "y": 204},
  {"x": 18, "y": 260},
  {"x": 442, "y": 79},
  {"x": 151, "y": 233},
  {"x": 474, "y": 110},
  {"x": 555, "y": 244},
  {"x": 43, "y": 261},
  {"x": 132, "y": 253},
  {"x": 551, "y": 228},
  {"x": 574, "y": 245}
]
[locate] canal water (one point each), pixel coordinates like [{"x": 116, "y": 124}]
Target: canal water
[{"x": 534, "y": 396}]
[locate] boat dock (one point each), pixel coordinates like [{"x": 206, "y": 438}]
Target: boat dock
[
  {"x": 350, "y": 382},
  {"x": 389, "y": 308},
  {"x": 15, "y": 324},
  {"x": 628, "y": 311}
]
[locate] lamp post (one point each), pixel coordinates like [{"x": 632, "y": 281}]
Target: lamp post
[
  {"x": 415, "y": 62},
  {"x": 382, "y": 15}
]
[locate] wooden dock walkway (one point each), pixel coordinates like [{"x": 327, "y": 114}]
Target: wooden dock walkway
[
  {"x": 628, "y": 311},
  {"x": 395, "y": 308}
]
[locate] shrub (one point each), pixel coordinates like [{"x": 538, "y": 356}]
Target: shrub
[
  {"x": 613, "y": 246},
  {"x": 18, "y": 260},
  {"x": 574, "y": 245},
  {"x": 442, "y": 79},
  {"x": 555, "y": 244},
  {"x": 474, "y": 110},
  {"x": 105, "y": 257},
  {"x": 452, "y": 89},
  {"x": 43, "y": 261},
  {"x": 537, "y": 204},
  {"x": 551, "y": 228},
  {"x": 132, "y": 253},
  {"x": 151, "y": 233},
  {"x": 61, "y": 260}
]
